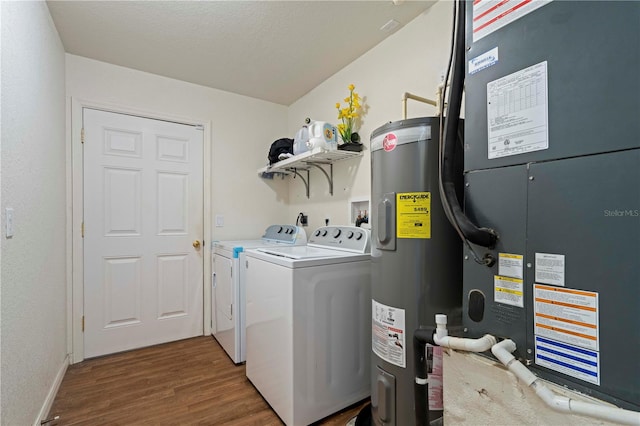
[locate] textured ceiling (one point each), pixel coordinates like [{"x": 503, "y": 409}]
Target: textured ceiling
[{"x": 272, "y": 50}]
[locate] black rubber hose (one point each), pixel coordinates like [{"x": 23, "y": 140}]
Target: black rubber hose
[
  {"x": 481, "y": 236},
  {"x": 421, "y": 337}
]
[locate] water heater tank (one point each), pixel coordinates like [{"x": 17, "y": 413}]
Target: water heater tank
[{"x": 416, "y": 260}]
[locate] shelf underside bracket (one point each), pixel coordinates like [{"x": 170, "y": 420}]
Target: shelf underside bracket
[
  {"x": 329, "y": 176},
  {"x": 305, "y": 181}
]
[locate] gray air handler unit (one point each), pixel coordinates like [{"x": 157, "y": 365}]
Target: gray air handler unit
[
  {"x": 552, "y": 164},
  {"x": 416, "y": 264}
]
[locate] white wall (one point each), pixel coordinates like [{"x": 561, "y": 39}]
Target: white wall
[
  {"x": 411, "y": 60},
  {"x": 33, "y": 305},
  {"x": 242, "y": 131}
]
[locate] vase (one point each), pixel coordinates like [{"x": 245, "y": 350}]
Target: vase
[{"x": 355, "y": 147}]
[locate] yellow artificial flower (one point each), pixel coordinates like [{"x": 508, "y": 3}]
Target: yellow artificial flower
[{"x": 348, "y": 115}]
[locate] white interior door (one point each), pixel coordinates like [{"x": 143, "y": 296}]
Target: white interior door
[{"x": 143, "y": 228}]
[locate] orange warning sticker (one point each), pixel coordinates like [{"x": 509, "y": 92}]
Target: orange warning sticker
[{"x": 567, "y": 315}]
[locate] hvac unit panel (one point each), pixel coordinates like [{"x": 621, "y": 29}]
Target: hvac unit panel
[
  {"x": 583, "y": 239},
  {"x": 493, "y": 298},
  {"x": 592, "y": 68}
]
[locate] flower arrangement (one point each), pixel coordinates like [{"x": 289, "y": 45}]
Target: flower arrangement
[{"x": 347, "y": 129}]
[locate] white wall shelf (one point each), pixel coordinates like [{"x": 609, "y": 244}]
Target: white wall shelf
[{"x": 317, "y": 158}]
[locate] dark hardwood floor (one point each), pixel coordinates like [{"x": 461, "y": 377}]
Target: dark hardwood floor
[{"x": 191, "y": 381}]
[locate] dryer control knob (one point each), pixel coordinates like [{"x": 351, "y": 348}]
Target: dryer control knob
[
  {"x": 324, "y": 233},
  {"x": 317, "y": 234},
  {"x": 280, "y": 230},
  {"x": 337, "y": 233},
  {"x": 359, "y": 236},
  {"x": 350, "y": 234}
]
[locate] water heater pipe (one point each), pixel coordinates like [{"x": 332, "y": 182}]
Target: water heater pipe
[
  {"x": 503, "y": 351},
  {"x": 408, "y": 95}
]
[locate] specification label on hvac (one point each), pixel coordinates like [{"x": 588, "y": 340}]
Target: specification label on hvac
[
  {"x": 413, "y": 211},
  {"x": 491, "y": 15},
  {"x": 517, "y": 112},
  {"x": 567, "y": 315},
  {"x": 388, "y": 333}
]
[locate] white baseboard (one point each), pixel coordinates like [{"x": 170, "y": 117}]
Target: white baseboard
[{"x": 51, "y": 396}]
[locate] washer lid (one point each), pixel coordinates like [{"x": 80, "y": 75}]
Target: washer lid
[{"x": 300, "y": 252}]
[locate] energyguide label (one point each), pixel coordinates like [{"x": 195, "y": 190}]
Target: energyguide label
[{"x": 413, "y": 215}]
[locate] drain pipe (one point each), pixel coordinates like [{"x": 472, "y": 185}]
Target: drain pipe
[
  {"x": 424, "y": 414},
  {"x": 442, "y": 338},
  {"x": 503, "y": 351}
]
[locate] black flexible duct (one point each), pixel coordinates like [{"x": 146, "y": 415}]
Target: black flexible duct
[{"x": 481, "y": 236}]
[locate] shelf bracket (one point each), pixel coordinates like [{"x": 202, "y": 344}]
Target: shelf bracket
[
  {"x": 305, "y": 181},
  {"x": 329, "y": 175}
]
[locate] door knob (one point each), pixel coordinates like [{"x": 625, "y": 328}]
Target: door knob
[{"x": 196, "y": 243}]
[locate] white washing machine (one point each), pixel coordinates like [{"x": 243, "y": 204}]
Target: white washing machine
[
  {"x": 309, "y": 323},
  {"x": 228, "y": 289}
]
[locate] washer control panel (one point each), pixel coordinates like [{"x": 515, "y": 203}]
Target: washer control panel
[
  {"x": 350, "y": 238},
  {"x": 284, "y": 234}
]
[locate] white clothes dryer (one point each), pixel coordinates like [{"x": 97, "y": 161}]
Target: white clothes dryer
[
  {"x": 228, "y": 289},
  {"x": 309, "y": 323}
]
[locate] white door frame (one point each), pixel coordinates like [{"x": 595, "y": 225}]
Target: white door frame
[{"x": 75, "y": 203}]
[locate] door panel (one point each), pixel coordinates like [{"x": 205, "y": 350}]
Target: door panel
[{"x": 143, "y": 210}]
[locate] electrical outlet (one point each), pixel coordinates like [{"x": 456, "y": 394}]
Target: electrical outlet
[{"x": 304, "y": 220}]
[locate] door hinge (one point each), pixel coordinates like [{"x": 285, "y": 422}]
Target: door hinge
[
  {"x": 83, "y": 323},
  {"x": 231, "y": 310},
  {"x": 82, "y": 135},
  {"x": 231, "y": 272},
  {"x": 82, "y": 230}
]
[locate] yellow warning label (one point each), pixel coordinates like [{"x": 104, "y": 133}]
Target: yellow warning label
[{"x": 413, "y": 215}]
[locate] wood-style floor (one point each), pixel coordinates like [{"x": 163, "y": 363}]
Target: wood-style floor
[{"x": 191, "y": 381}]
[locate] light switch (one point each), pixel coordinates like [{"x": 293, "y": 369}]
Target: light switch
[
  {"x": 8, "y": 222},
  {"x": 219, "y": 221}
]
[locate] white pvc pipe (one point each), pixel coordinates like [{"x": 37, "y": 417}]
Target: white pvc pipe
[
  {"x": 441, "y": 338},
  {"x": 462, "y": 344},
  {"x": 503, "y": 351}
]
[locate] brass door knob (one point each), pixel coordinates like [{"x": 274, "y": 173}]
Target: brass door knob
[{"x": 196, "y": 243}]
